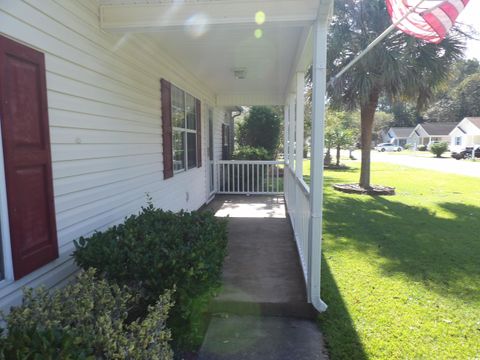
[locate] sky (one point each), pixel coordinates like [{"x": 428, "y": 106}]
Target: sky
[{"x": 471, "y": 16}]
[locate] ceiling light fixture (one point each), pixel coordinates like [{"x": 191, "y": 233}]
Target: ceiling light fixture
[{"x": 240, "y": 73}]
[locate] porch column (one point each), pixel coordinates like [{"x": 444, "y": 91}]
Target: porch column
[
  {"x": 316, "y": 184},
  {"x": 299, "y": 124},
  {"x": 285, "y": 133},
  {"x": 291, "y": 131}
]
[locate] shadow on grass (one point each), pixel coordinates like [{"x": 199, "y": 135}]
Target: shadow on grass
[
  {"x": 440, "y": 252},
  {"x": 340, "y": 335}
]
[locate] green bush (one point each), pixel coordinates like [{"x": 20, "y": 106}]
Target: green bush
[
  {"x": 85, "y": 320},
  {"x": 158, "y": 250},
  {"x": 422, "y": 148},
  {"x": 407, "y": 146},
  {"x": 251, "y": 153},
  {"x": 261, "y": 128},
  {"x": 439, "y": 148}
]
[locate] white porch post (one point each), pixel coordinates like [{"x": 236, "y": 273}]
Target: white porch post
[
  {"x": 316, "y": 184},
  {"x": 291, "y": 132},
  {"x": 285, "y": 133},
  {"x": 299, "y": 124}
]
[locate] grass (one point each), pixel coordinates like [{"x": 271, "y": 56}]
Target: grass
[{"x": 401, "y": 274}]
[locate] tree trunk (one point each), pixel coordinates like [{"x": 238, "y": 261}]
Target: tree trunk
[
  {"x": 338, "y": 155},
  {"x": 328, "y": 158},
  {"x": 367, "y": 115}
]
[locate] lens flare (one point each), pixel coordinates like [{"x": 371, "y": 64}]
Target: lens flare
[
  {"x": 197, "y": 25},
  {"x": 260, "y": 17},
  {"x": 258, "y": 33}
]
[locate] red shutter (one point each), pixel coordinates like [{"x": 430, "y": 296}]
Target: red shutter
[
  {"x": 26, "y": 150},
  {"x": 198, "y": 111},
  {"x": 166, "y": 89}
]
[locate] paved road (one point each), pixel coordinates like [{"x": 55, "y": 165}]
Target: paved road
[{"x": 447, "y": 165}]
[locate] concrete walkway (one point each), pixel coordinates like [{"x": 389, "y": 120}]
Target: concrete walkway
[{"x": 262, "y": 312}]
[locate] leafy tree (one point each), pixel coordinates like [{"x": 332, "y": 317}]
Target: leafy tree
[
  {"x": 383, "y": 121},
  {"x": 460, "y": 102},
  {"x": 340, "y": 133},
  {"x": 468, "y": 94},
  {"x": 401, "y": 67},
  {"x": 439, "y": 148},
  {"x": 261, "y": 128},
  {"x": 445, "y": 109}
]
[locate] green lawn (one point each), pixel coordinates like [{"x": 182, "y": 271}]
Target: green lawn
[{"x": 401, "y": 274}]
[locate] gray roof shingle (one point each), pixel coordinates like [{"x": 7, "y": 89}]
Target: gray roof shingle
[
  {"x": 475, "y": 121},
  {"x": 402, "y": 132},
  {"x": 440, "y": 128}
]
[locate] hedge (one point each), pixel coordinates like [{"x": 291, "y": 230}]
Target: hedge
[
  {"x": 85, "y": 320},
  {"x": 158, "y": 250}
]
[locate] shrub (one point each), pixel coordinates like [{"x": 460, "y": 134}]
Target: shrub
[
  {"x": 158, "y": 250},
  {"x": 439, "y": 148},
  {"x": 251, "y": 153},
  {"x": 407, "y": 146},
  {"x": 421, "y": 148},
  {"x": 85, "y": 320},
  {"x": 261, "y": 128}
]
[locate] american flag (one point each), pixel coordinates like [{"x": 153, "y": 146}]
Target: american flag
[{"x": 429, "y": 20}]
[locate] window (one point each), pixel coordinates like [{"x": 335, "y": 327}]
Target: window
[
  {"x": 182, "y": 130},
  {"x": 458, "y": 140},
  {"x": 184, "y": 126}
]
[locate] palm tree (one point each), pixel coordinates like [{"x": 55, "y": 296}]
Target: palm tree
[{"x": 399, "y": 68}]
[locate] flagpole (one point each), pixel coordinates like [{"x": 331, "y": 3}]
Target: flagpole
[{"x": 373, "y": 44}]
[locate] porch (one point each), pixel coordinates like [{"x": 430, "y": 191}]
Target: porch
[{"x": 262, "y": 311}]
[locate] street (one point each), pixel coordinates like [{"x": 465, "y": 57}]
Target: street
[{"x": 447, "y": 165}]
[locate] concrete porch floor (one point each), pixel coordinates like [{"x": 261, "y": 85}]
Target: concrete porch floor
[{"x": 262, "y": 311}]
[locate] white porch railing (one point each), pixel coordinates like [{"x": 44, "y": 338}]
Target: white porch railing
[
  {"x": 297, "y": 197},
  {"x": 249, "y": 177}
]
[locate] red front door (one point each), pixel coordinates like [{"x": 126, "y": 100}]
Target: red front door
[{"x": 26, "y": 151}]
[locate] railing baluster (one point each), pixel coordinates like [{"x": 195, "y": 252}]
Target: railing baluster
[
  {"x": 243, "y": 177},
  {"x": 228, "y": 177},
  {"x": 248, "y": 178},
  {"x": 278, "y": 178},
  {"x": 263, "y": 178},
  {"x": 238, "y": 177}
]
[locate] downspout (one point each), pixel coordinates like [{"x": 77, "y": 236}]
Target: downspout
[{"x": 318, "y": 137}]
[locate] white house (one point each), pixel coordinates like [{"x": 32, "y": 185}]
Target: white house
[
  {"x": 105, "y": 101},
  {"x": 466, "y": 134},
  {"x": 427, "y": 133},
  {"x": 397, "y": 135}
]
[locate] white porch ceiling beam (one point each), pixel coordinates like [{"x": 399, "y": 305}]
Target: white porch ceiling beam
[{"x": 171, "y": 16}]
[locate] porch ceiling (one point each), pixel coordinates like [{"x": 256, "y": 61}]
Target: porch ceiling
[{"x": 214, "y": 38}]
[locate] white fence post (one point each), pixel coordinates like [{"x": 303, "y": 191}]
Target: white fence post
[
  {"x": 285, "y": 133},
  {"x": 291, "y": 132},
  {"x": 300, "y": 119}
]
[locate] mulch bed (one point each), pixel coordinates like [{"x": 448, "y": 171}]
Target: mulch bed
[
  {"x": 373, "y": 190},
  {"x": 336, "y": 167}
]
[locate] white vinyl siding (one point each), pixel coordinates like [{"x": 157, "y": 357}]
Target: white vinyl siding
[{"x": 105, "y": 124}]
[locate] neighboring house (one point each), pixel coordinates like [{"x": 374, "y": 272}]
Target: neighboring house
[
  {"x": 103, "y": 102},
  {"x": 428, "y": 133},
  {"x": 466, "y": 134},
  {"x": 397, "y": 135}
]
